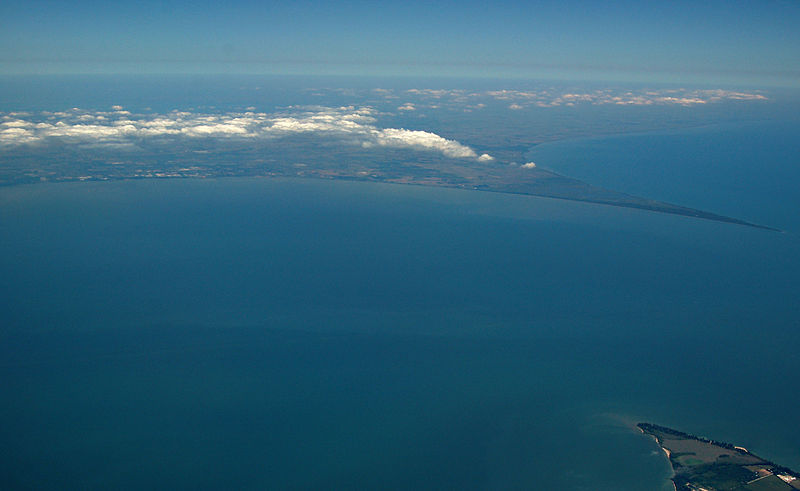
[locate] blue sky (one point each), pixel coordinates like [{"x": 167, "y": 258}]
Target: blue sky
[{"x": 733, "y": 42}]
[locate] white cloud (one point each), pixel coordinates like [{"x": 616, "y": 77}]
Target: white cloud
[
  {"x": 218, "y": 129},
  {"x": 437, "y": 93},
  {"x": 17, "y": 123},
  {"x": 529, "y": 165},
  {"x": 351, "y": 124},
  {"x": 407, "y": 107},
  {"x": 399, "y": 138},
  {"x": 16, "y": 135},
  {"x": 683, "y": 97}
]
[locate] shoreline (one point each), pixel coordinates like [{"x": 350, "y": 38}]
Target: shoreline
[
  {"x": 626, "y": 201},
  {"x": 666, "y": 453},
  {"x": 699, "y": 462}
]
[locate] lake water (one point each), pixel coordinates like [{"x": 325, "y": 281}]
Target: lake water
[{"x": 251, "y": 333}]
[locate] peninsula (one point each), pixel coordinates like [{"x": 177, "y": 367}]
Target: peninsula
[
  {"x": 59, "y": 162},
  {"x": 700, "y": 464}
]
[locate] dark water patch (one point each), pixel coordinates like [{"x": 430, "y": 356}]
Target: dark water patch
[{"x": 286, "y": 333}]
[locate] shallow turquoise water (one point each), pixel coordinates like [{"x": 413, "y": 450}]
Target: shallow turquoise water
[{"x": 299, "y": 333}]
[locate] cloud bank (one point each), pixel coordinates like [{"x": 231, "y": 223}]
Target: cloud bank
[
  {"x": 683, "y": 97},
  {"x": 552, "y": 96},
  {"x": 350, "y": 124}
]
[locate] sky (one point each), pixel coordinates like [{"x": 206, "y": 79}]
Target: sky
[{"x": 730, "y": 42}]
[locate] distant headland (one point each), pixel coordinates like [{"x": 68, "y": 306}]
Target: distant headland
[{"x": 64, "y": 163}]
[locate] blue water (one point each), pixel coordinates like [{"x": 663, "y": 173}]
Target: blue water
[
  {"x": 748, "y": 170},
  {"x": 252, "y": 333}
]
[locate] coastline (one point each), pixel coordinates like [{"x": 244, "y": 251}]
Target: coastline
[
  {"x": 699, "y": 463},
  {"x": 561, "y": 191},
  {"x": 666, "y": 452}
]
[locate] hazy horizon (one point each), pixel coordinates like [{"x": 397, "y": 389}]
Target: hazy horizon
[{"x": 740, "y": 43}]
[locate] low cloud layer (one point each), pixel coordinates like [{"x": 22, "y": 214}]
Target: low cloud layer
[
  {"x": 117, "y": 126},
  {"x": 552, "y": 96},
  {"x": 683, "y": 97}
]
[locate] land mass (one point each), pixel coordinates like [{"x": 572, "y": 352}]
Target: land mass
[
  {"x": 700, "y": 464},
  {"x": 301, "y": 158}
]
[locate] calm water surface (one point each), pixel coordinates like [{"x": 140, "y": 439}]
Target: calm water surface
[{"x": 298, "y": 333}]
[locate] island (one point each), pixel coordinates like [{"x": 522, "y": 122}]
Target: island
[{"x": 700, "y": 464}]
